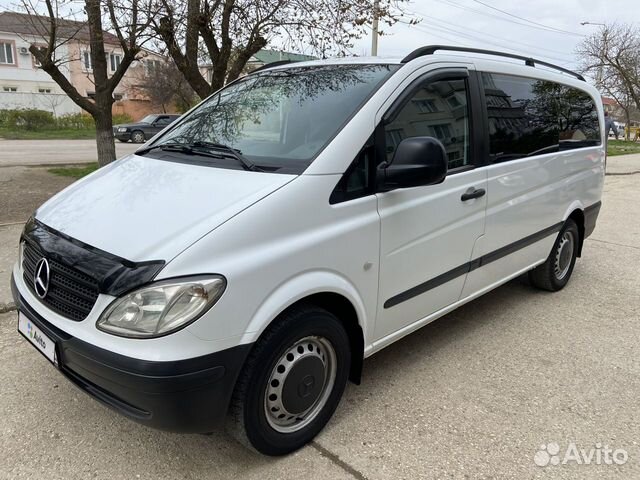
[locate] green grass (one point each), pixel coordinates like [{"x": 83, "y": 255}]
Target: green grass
[
  {"x": 51, "y": 134},
  {"x": 74, "y": 172},
  {"x": 622, "y": 147}
]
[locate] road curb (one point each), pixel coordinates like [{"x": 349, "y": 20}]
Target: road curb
[
  {"x": 7, "y": 307},
  {"x": 11, "y": 224}
]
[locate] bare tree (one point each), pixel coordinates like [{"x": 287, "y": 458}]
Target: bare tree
[
  {"x": 612, "y": 55},
  {"x": 229, "y": 32},
  {"x": 164, "y": 85},
  {"x": 129, "y": 21},
  {"x": 614, "y": 86}
]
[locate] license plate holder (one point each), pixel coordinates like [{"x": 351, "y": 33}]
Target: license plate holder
[{"x": 34, "y": 335}]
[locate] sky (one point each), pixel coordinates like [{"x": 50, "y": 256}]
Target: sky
[
  {"x": 473, "y": 23},
  {"x": 545, "y": 29}
]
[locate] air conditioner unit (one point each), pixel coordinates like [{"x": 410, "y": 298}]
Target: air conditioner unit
[{"x": 24, "y": 51}]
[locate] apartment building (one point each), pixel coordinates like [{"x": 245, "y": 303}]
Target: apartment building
[{"x": 23, "y": 84}]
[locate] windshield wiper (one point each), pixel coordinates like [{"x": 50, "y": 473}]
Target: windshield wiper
[
  {"x": 207, "y": 149},
  {"x": 230, "y": 151}
]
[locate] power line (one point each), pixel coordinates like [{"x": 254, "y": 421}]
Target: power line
[
  {"x": 487, "y": 14},
  {"x": 526, "y": 20},
  {"x": 446, "y": 31},
  {"x": 467, "y": 29}
]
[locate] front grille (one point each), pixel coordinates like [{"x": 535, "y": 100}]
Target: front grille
[{"x": 71, "y": 293}]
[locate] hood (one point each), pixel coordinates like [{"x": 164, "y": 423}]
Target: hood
[{"x": 140, "y": 208}]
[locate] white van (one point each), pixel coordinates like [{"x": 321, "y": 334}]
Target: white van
[{"x": 243, "y": 264}]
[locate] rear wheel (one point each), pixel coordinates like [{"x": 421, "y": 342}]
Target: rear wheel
[
  {"x": 137, "y": 137},
  {"x": 292, "y": 382},
  {"x": 555, "y": 272}
]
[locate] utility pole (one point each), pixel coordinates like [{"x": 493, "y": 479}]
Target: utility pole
[
  {"x": 374, "y": 28},
  {"x": 600, "y": 72}
]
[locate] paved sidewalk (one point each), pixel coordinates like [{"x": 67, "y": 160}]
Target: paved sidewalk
[
  {"x": 623, "y": 164},
  {"x": 54, "y": 152},
  {"x": 9, "y": 237},
  {"x": 472, "y": 395}
]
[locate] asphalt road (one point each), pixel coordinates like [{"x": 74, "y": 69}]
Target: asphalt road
[
  {"x": 473, "y": 395},
  {"x": 48, "y": 152}
]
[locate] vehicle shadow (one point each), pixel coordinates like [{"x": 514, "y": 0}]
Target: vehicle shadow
[{"x": 102, "y": 442}]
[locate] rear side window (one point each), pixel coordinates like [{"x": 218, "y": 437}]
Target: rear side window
[{"x": 532, "y": 117}]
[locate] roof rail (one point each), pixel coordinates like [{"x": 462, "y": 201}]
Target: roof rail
[
  {"x": 531, "y": 62},
  {"x": 277, "y": 63}
]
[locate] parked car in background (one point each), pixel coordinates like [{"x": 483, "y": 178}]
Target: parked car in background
[{"x": 143, "y": 130}]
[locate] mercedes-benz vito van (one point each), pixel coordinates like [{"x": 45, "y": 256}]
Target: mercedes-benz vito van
[{"x": 243, "y": 264}]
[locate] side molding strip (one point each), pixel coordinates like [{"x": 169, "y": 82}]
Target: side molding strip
[{"x": 472, "y": 265}]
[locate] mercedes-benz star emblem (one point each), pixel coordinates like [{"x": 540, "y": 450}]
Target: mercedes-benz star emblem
[{"x": 41, "y": 278}]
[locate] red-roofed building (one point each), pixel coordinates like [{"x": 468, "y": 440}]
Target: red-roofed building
[{"x": 24, "y": 85}]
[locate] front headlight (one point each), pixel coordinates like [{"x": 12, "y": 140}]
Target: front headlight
[
  {"x": 122, "y": 129},
  {"x": 162, "y": 308}
]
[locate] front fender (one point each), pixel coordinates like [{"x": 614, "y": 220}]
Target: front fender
[{"x": 299, "y": 287}]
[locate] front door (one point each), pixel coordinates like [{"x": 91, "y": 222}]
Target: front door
[{"x": 428, "y": 232}]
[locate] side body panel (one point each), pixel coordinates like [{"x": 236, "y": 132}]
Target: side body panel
[
  {"x": 280, "y": 251},
  {"x": 529, "y": 196},
  {"x": 426, "y": 232}
]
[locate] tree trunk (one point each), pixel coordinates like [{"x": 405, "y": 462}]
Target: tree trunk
[{"x": 104, "y": 138}]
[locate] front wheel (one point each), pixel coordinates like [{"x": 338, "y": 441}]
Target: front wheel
[
  {"x": 137, "y": 137},
  {"x": 555, "y": 272},
  {"x": 292, "y": 382}
]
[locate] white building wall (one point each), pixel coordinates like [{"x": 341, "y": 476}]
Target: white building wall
[
  {"x": 27, "y": 79},
  {"x": 57, "y": 103}
]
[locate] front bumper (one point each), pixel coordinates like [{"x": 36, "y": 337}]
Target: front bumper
[
  {"x": 123, "y": 136},
  {"x": 189, "y": 396}
]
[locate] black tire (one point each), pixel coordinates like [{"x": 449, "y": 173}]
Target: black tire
[
  {"x": 555, "y": 272},
  {"x": 248, "y": 418},
  {"x": 137, "y": 136}
]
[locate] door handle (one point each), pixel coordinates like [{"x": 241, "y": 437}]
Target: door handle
[{"x": 472, "y": 193}]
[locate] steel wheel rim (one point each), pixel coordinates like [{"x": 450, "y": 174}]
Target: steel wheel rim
[
  {"x": 138, "y": 137},
  {"x": 564, "y": 255},
  {"x": 277, "y": 415}
]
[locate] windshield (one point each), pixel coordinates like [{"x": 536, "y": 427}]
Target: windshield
[
  {"x": 148, "y": 119},
  {"x": 281, "y": 119}
]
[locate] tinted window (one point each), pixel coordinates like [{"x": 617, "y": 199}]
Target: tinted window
[
  {"x": 164, "y": 121},
  {"x": 356, "y": 181},
  {"x": 437, "y": 109},
  {"x": 529, "y": 117}
]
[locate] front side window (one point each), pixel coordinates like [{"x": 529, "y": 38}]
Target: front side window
[
  {"x": 448, "y": 120},
  {"x": 6, "y": 53},
  {"x": 531, "y": 117},
  {"x": 281, "y": 119}
]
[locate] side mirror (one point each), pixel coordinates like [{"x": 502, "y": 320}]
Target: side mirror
[{"x": 417, "y": 161}]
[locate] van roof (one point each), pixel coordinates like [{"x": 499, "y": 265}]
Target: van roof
[{"x": 428, "y": 55}]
